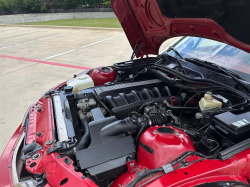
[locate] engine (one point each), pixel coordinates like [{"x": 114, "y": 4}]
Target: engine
[{"x": 146, "y": 126}]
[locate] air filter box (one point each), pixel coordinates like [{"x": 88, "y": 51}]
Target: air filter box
[
  {"x": 235, "y": 127},
  {"x": 108, "y": 160}
]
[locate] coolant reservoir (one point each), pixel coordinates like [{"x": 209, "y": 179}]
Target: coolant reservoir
[
  {"x": 79, "y": 83},
  {"x": 208, "y": 103}
]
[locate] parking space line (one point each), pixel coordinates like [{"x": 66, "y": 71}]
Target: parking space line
[
  {"x": 8, "y": 29},
  {"x": 45, "y": 62},
  {"x": 22, "y": 33},
  {"x": 70, "y": 51},
  {"x": 39, "y": 39}
]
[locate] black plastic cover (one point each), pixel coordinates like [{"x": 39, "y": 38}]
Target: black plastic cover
[
  {"x": 105, "y": 152},
  {"x": 106, "y": 159},
  {"x": 233, "y": 123},
  {"x": 235, "y": 127},
  {"x": 95, "y": 131}
]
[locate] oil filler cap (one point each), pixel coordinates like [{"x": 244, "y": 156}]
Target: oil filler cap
[{"x": 165, "y": 130}]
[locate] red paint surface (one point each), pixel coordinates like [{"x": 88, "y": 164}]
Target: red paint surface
[
  {"x": 166, "y": 147},
  {"x": 45, "y": 62},
  {"x": 6, "y": 159},
  {"x": 100, "y": 77},
  {"x": 157, "y": 28},
  {"x": 55, "y": 168},
  {"x": 236, "y": 168}
]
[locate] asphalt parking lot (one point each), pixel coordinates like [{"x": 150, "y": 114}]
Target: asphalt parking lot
[{"x": 35, "y": 59}]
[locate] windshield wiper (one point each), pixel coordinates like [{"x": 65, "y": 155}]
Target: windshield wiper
[
  {"x": 171, "y": 48},
  {"x": 237, "y": 78},
  {"x": 225, "y": 70}
]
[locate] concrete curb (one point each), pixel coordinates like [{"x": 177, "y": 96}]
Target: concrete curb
[{"x": 65, "y": 27}]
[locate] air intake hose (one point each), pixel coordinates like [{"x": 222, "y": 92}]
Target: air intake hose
[{"x": 132, "y": 124}]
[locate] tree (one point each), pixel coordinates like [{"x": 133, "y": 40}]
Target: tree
[
  {"x": 70, "y": 4},
  {"x": 92, "y": 3},
  {"x": 107, "y": 4},
  {"x": 7, "y": 5},
  {"x": 34, "y": 5}
]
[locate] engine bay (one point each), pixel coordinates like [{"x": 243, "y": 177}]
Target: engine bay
[
  {"x": 143, "y": 120},
  {"x": 117, "y": 126}
]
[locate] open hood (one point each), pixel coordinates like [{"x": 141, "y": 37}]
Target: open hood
[{"x": 148, "y": 23}]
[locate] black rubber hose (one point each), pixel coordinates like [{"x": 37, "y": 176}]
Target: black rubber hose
[
  {"x": 166, "y": 79},
  {"x": 178, "y": 107},
  {"x": 119, "y": 127},
  {"x": 102, "y": 104},
  {"x": 193, "y": 134},
  {"x": 85, "y": 140},
  {"x": 144, "y": 105}
]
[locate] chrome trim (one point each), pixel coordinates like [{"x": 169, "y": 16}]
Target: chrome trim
[
  {"x": 60, "y": 122},
  {"x": 13, "y": 165},
  {"x": 28, "y": 183}
]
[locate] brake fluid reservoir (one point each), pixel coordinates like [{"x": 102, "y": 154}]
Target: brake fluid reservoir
[
  {"x": 81, "y": 82},
  {"x": 208, "y": 103}
]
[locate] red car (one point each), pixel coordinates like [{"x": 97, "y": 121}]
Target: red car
[{"x": 181, "y": 118}]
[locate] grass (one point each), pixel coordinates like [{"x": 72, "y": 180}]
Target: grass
[{"x": 104, "y": 22}]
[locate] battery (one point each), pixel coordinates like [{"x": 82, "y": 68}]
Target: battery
[{"x": 233, "y": 126}]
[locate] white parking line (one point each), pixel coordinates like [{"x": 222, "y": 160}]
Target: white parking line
[
  {"x": 39, "y": 39},
  {"x": 22, "y": 33},
  {"x": 8, "y": 29},
  {"x": 60, "y": 54}
]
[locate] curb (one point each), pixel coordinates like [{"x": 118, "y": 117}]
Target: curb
[{"x": 65, "y": 27}]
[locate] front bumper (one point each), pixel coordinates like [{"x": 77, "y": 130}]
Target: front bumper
[{"x": 8, "y": 170}]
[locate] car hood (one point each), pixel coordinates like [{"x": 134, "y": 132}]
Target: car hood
[{"x": 148, "y": 23}]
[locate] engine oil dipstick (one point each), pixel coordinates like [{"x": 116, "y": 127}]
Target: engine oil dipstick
[{"x": 172, "y": 99}]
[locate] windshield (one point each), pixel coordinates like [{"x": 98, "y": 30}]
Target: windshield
[{"x": 219, "y": 53}]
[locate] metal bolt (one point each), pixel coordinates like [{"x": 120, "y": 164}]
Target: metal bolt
[
  {"x": 132, "y": 165},
  {"x": 49, "y": 142},
  {"x": 155, "y": 132},
  {"x": 38, "y": 134},
  {"x": 36, "y": 156}
]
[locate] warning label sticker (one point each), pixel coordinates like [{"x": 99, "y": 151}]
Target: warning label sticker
[{"x": 241, "y": 123}]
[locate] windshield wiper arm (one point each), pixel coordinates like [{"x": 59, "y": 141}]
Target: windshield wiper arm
[
  {"x": 225, "y": 70},
  {"x": 171, "y": 48},
  {"x": 237, "y": 78}
]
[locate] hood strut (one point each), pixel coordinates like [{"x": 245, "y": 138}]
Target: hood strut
[{"x": 137, "y": 43}]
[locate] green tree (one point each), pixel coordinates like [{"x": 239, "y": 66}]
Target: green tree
[
  {"x": 70, "y": 4},
  {"x": 3, "y": 4},
  {"x": 7, "y": 5},
  {"x": 92, "y": 2},
  {"x": 107, "y": 4},
  {"x": 34, "y": 5}
]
